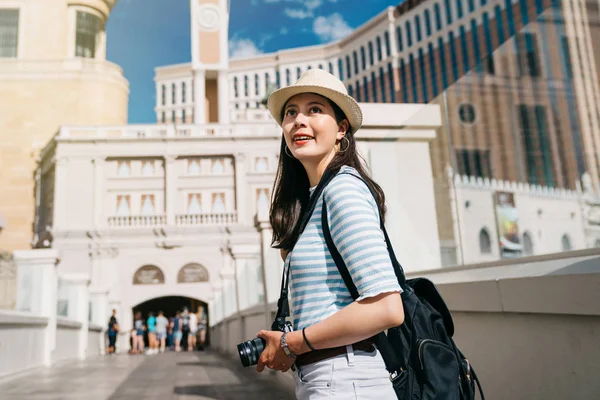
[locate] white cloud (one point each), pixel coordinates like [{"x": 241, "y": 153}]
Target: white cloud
[
  {"x": 283, "y": 31},
  {"x": 312, "y": 4},
  {"x": 331, "y": 28},
  {"x": 297, "y": 13},
  {"x": 243, "y": 48}
]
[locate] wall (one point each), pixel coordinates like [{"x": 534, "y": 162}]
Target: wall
[
  {"x": 67, "y": 339},
  {"x": 21, "y": 341},
  {"x": 96, "y": 342}
]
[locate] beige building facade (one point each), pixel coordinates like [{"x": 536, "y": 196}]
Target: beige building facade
[{"x": 51, "y": 74}]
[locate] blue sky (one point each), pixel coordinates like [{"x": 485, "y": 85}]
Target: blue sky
[{"x": 144, "y": 34}]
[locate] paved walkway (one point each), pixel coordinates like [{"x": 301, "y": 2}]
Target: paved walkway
[{"x": 202, "y": 376}]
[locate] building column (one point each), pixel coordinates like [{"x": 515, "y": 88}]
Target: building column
[
  {"x": 199, "y": 97},
  {"x": 227, "y": 274},
  {"x": 170, "y": 189},
  {"x": 60, "y": 179},
  {"x": 223, "y": 88},
  {"x": 100, "y": 313},
  {"x": 272, "y": 265},
  {"x": 241, "y": 189},
  {"x": 98, "y": 206},
  {"x": 79, "y": 300},
  {"x": 243, "y": 255},
  {"x": 37, "y": 284}
]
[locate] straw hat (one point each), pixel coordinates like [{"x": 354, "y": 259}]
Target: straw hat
[{"x": 322, "y": 83}]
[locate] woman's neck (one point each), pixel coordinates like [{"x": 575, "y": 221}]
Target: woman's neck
[{"x": 315, "y": 170}]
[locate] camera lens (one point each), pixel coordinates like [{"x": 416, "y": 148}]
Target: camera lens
[{"x": 250, "y": 351}]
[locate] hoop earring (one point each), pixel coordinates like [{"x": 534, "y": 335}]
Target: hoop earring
[
  {"x": 286, "y": 150},
  {"x": 347, "y": 147}
]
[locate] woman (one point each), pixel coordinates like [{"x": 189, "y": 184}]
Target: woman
[
  {"x": 319, "y": 121},
  {"x": 138, "y": 339}
]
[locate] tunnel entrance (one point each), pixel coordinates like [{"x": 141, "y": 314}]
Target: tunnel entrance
[{"x": 170, "y": 306}]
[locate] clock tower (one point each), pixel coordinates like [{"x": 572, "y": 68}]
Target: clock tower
[{"x": 210, "y": 59}]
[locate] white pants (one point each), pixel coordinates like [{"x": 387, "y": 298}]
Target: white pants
[{"x": 355, "y": 375}]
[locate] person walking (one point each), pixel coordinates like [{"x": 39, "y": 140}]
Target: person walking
[
  {"x": 177, "y": 333},
  {"x": 161, "y": 330},
  {"x": 151, "y": 326},
  {"x": 185, "y": 328},
  {"x": 202, "y": 326},
  {"x": 331, "y": 343},
  {"x": 138, "y": 339},
  {"x": 113, "y": 330},
  {"x": 193, "y": 331}
]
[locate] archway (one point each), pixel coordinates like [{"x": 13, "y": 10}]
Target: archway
[{"x": 170, "y": 305}]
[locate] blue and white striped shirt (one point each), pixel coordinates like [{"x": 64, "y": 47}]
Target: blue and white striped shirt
[{"x": 317, "y": 288}]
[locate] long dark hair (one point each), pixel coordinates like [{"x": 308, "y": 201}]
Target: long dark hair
[{"x": 291, "y": 187}]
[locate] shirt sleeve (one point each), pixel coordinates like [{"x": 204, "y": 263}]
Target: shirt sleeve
[{"x": 353, "y": 219}]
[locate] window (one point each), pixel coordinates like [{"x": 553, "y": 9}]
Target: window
[
  {"x": 123, "y": 169},
  {"x": 418, "y": 28},
  {"x": 472, "y": 6},
  {"x": 527, "y": 55},
  {"x": 489, "y": 60},
  {"x": 217, "y": 166},
  {"x": 466, "y": 113},
  {"x": 163, "y": 117},
  {"x": 424, "y": 90},
  {"x": 438, "y": 16},
  {"x": 267, "y": 82},
  {"x": 350, "y": 91},
  {"x": 123, "y": 205},
  {"x": 382, "y": 85},
  {"x": 374, "y": 86},
  {"x": 298, "y": 73},
  {"x": 193, "y": 166},
  {"x": 236, "y": 93},
  {"x": 163, "y": 95},
  {"x": 358, "y": 96},
  {"x": 379, "y": 55},
  {"x": 566, "y": 243},
  {"x": 288, "y": 77},
  {"x": 331, "y": 68},
  {"x": 183, "y": 116},
  {"x": 366, "y": 88},
  {"x": 262, "y": 202},
  {"x": 246, "y": 85},
  {"x": 194, "y": 205},
  {"x": 459, "y": 9},
  {"x": 432, "y": 71},
  {"x": 399, "y": 38},
  {"x": 568, "y": 67},
  {"x": 448, "y": 12},
  {"x": 485, "y": 244},
  {"x": 88, "y": 27},
  {"x": 148, "y": 168},
  {"x": 9, "y": 32},
  {"x": 340, "y": 68},
  {"x": 427, "y": 23},
  {"x": 527, "y": 244},
  {"x": 442, "y": 59},
  {"x": 371, "y": 62},
  {"x": 473, "y": 163},
  {"x": 256, "y": 91},
  {"x": 348, "y": 69},
  {"x": 386, "y": 39},
  {"x": 408, "y": 34},
  {"x": 261, "y": 164},
  {"x": 147, "y": 204},
  {"x": 218, "y": 203},
  {"x": 173, "y": 94},
  {"x": 173, "y": 116},
  {"x": 355, "y": 59},
  {"x": 465, "y": 50},
  {"x": 363, "y": 58},
  {"x": 277, "y": 79},
  {"x": 536, "y": 144},
  {"x": 183, "y": 92},
  {"x": 391, "y": 81}
]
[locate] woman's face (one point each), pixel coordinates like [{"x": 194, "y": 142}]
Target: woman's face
[{"x": 309, "y": 127}]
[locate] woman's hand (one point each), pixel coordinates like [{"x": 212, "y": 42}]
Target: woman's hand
[{"x": 273, "y": 356}]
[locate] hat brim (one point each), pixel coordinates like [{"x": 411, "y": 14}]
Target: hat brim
[{"x": 346, "y": 103}]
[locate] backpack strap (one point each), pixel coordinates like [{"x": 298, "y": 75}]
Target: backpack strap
[{"x": 392, "y": 363}]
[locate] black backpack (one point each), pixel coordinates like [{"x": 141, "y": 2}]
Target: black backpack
[{"x": 420, "y": 355}]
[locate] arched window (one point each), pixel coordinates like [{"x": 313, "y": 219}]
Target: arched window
[
  {"x": 379, "y": 55},
  {"x": 427, "y": 23},
  {"x": 485, "y": 244},
  {"x": 438, "y": 16},
  {"x": 331, "y": 68},
  {"x": 298, "y": 73},
  {"x": 527, "y": 244},
  {"x": 192, "y": 273},
  {"x": 363, "y": 58},
  {"x": 566, "y": 243},
  {"x": 418, "y": 28},
  {"x": 408, "y": 34},
  {"x": 399, "y": 38},
  {"x": 371, "y": 53}
]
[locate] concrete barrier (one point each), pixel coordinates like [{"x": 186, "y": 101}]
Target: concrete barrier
[{"x": 21, "y": 341}]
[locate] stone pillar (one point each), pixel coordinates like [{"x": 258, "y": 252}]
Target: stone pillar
[
  {"x": 241, "y": 189},
  {"x": 217, "y": 313},
  {"x": 79, "y": 302},
  {"x": 230, "y": 295},
  {"x": 272, "y": 265},
  {"x": 170, "y": 189},
  {"x": 223, "y": 87},
  {"x": 100, "y": 313},
  {"x": 37, "y": 283},
  {"x": 200, "y": 97},
  {"x": 243, "y": 255},
  {"x": 60, "y": 180}
]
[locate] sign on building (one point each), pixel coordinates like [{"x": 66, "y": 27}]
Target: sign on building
[
  {"x": 148, "y": 275},
  {"x": 192, "y": 273}
]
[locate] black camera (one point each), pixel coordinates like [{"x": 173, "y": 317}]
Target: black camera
[{"x": 251, "y": 350}]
